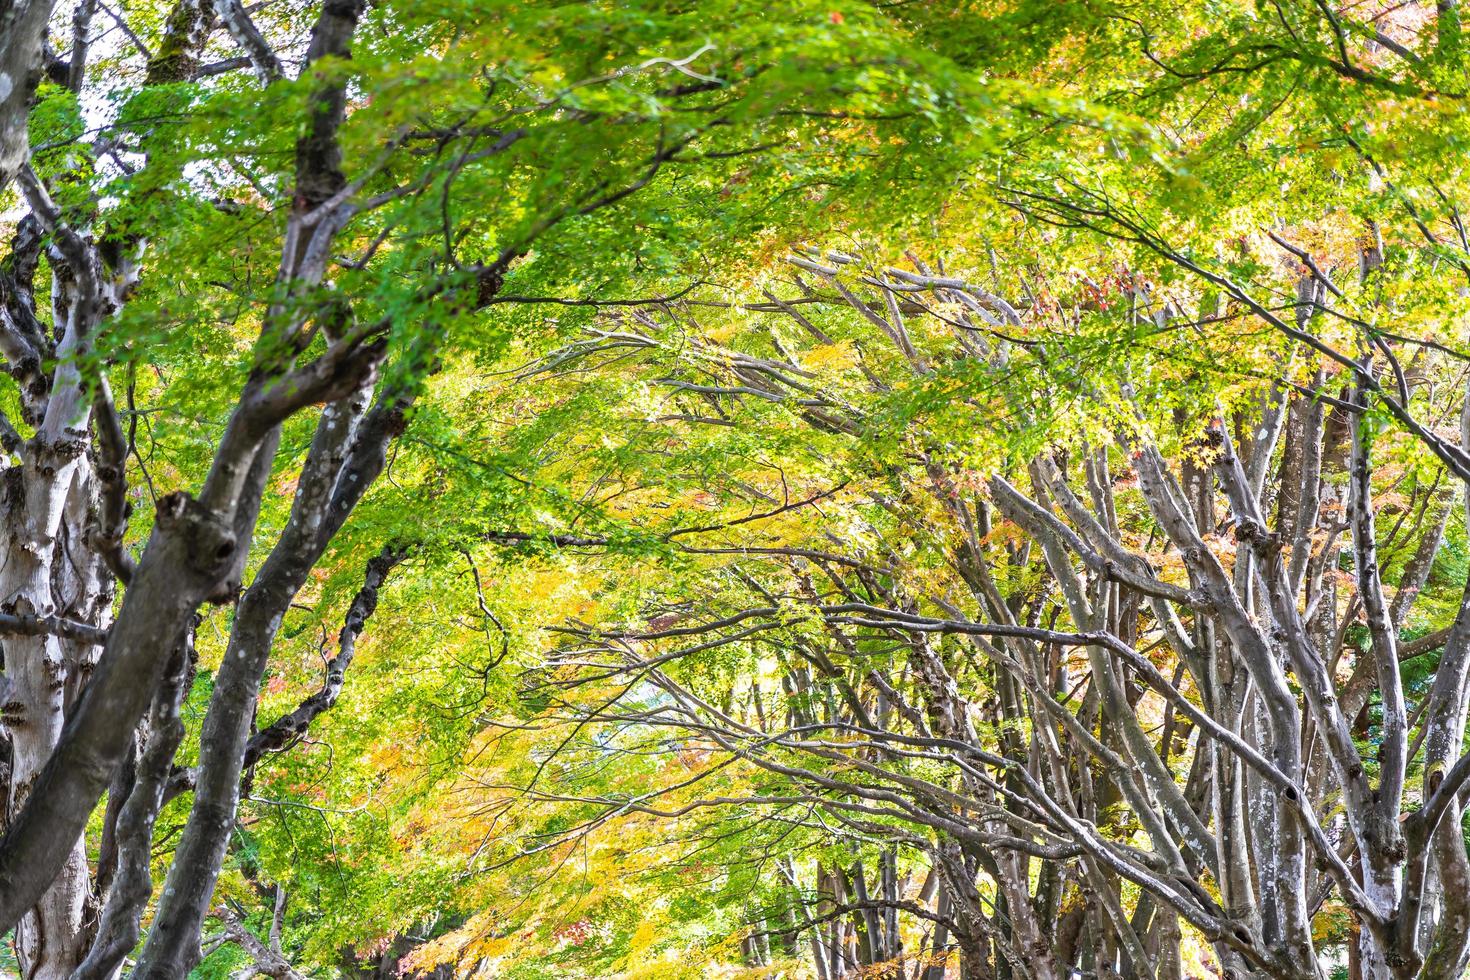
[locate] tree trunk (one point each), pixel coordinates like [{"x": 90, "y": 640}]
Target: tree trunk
[{"x": 48, "y": 571}]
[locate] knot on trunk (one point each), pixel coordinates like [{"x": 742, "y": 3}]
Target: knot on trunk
[
  {"x": 12, "y": 713},
  {"x": 208, "y": 543},
  {"x": 37, "y": 387},
  {"x": 396, "y": 422},
  {"x": 21, "y": 792},
  {"x": 488, "y": 281},
  {"x": 12, "y": 488},
  {"x": 52, "y": 454},
  {"x": 1200, "y": 599},
  {"x": 1252, "y": 532},
  {"x": 1390, "y": 844},
  {"x": 347, "y": 9},
  {"x": 1210, "y": 444}
]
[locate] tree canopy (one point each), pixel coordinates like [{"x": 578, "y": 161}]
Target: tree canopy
[{"x": 533, "y": 488}]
